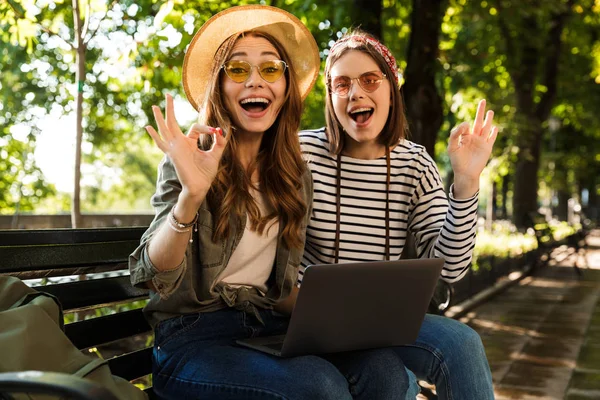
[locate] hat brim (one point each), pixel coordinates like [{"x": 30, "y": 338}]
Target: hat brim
[{"x": 283, "y": 26}]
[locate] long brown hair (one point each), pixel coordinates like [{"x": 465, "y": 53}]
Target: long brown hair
[
  {"x": 395, "y": 128},
  {"x": 279, "y": 160}
]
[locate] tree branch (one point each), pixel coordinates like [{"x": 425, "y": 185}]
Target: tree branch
[
  {"x": 77, "y": 22},
  {"x": 86, "y": 23}
]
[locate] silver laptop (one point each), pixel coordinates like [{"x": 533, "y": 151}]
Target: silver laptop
[{"x": 353, "y": 306}]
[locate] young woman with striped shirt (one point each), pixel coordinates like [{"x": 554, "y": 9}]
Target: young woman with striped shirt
[{"x": 372, "y": 187}]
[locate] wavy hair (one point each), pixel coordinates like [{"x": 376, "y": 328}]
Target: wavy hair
[
  {"x": 279, "y": 160},
  {"x": 396, "y": 127}
]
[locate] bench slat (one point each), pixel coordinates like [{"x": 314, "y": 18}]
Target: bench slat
[
  {"x": 97, "y": 331},
  {"x": 28, "y": 258},
  {"x": 97, "y": 293},
  {"x": 82, "y": 270},
  {"x": 18, "y": 237},
  {"x": 132, "y": 365}
]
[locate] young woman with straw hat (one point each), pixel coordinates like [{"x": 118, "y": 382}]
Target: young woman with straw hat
[{"x": 232, "y": 202}]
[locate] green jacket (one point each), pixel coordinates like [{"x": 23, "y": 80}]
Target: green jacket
[{"x": 192, "y": 286}]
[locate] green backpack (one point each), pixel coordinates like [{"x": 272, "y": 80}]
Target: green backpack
[{"x": 32, "y": 338}]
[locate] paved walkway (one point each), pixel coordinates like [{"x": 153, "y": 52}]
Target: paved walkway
[{"x": 542, "y": 335}]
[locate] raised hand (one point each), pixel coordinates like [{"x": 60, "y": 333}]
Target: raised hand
[
  {"x": 469, "y": 149},
  {"x": 196, "y": 169}
]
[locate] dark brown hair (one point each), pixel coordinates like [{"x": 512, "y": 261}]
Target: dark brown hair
[{"x": 396, "y": 127}]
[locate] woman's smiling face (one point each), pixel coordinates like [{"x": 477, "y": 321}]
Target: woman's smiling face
[
  {"x": 363, "y": 115},
  {"x": 254, "y": 104}
]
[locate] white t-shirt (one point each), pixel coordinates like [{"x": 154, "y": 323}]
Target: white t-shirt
[{"x": 252, "y": 260}]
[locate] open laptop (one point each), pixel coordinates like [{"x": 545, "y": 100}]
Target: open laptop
[{"x": 353, "y": 306}]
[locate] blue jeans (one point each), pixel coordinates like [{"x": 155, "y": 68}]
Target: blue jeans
[
  {"x": 195, "y": 357},
  {"x": 450, "y": 355}
]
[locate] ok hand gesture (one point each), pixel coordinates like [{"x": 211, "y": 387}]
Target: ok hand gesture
[
  {"x": 470, "y": 150},
  {"x": 196, "y": 169}
]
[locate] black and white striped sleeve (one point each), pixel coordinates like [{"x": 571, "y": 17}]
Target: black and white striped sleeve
[{"x": 443, "y": 228}]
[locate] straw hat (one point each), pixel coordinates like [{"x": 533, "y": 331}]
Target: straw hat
[{"x": 283, "y": 26}]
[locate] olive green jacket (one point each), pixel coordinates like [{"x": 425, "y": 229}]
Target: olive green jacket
[{"x": 192, "y": 286}]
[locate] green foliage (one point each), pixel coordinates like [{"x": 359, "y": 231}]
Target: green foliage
[
  {"x": 135, "y": 52},
  {"x": 21, "y": 182},
  {"x": 504, "y": 241}
]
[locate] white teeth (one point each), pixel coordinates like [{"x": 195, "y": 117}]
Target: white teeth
[
  {"x": 359, "y": 110},
  {"x": 255, "y": 100}
]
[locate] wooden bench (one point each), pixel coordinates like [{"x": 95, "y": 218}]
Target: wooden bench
[
  {"x": 52, "y": 253},
  {"x": 103, "y": 252},
  {"x": 544, "y": 236},
  {"x": 546, "y": 242}
]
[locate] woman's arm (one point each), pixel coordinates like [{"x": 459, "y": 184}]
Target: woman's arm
[
  {"x": 195, "y": 170},
  {"x": 185, "y": 176},
  {"x": 447, "y": 230}
]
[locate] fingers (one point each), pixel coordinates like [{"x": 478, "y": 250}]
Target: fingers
[
  {"x": 487, "y": 124},
  {"x": 157, "y": 139},
  {"x": 456, "y": 134},
  {"x": 220, "y": 142},
  {"x": 493, "y": 135},
  {"x": 160, "y": 122},
  {"x": 170, "y": 115},
  {"x": 167, "y": 126},
  {"x": 197, "y": 129},
  {"x": 478, "y": 124}
]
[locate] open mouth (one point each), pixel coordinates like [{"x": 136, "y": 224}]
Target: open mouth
[
  {"x": 255, "y": 104},
  {"x": 361, "y": 115}
]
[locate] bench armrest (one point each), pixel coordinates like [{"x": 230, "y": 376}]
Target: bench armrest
[{"x": 53, "y": 383}]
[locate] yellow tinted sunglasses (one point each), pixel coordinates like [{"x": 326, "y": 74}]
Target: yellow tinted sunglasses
[{"x": 239, "y": 71}]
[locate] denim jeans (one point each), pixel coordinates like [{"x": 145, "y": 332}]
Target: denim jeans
[
  {"x": 195, "y": 357},
  {"x": 450, "y": 355}
]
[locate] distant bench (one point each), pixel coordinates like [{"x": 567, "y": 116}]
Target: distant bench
[
  {"x": 544, "y": 235},
  {"x": 34, "y": 254}
]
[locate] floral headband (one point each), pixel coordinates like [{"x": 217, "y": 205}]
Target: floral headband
[{"x": 377, "y": 45}]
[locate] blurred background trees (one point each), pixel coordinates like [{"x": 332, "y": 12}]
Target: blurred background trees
[{"x": 536, "y": 62}]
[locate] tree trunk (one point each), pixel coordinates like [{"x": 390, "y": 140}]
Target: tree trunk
[
  {"x": 79, "y": 79},
  {"x": 367, "y": 15},
  {"x": 490, "y": 207},
  {"x": 423, "y": 102},
  {"x": 504, "y": 197},
  {"x": 593, "y": 207},
  {"x": 495, "y": 200},
  {"x": 530, "y": 64},
  {"x": 526, "y": 173},
  {"x": 562, "y": 208}
]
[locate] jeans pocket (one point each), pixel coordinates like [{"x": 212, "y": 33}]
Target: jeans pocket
[{"x": 173, "y": 327}]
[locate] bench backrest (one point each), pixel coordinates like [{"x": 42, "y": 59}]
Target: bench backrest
[{"x": 34, "y": 254}]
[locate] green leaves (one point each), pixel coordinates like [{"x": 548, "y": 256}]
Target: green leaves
[{"x": 137, "y": 50}]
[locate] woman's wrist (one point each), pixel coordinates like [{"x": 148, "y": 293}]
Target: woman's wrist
[
  {"x": 465, "y": 187},
  {"x": 187, "y": 207}
]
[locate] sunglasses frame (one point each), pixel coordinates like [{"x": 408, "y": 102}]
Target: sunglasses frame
[
  {"x": 285, "y": 67},
  {"x": 332, "y": 90}
]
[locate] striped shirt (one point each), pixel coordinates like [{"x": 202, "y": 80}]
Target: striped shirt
[{"x": 442, "y": 228}]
